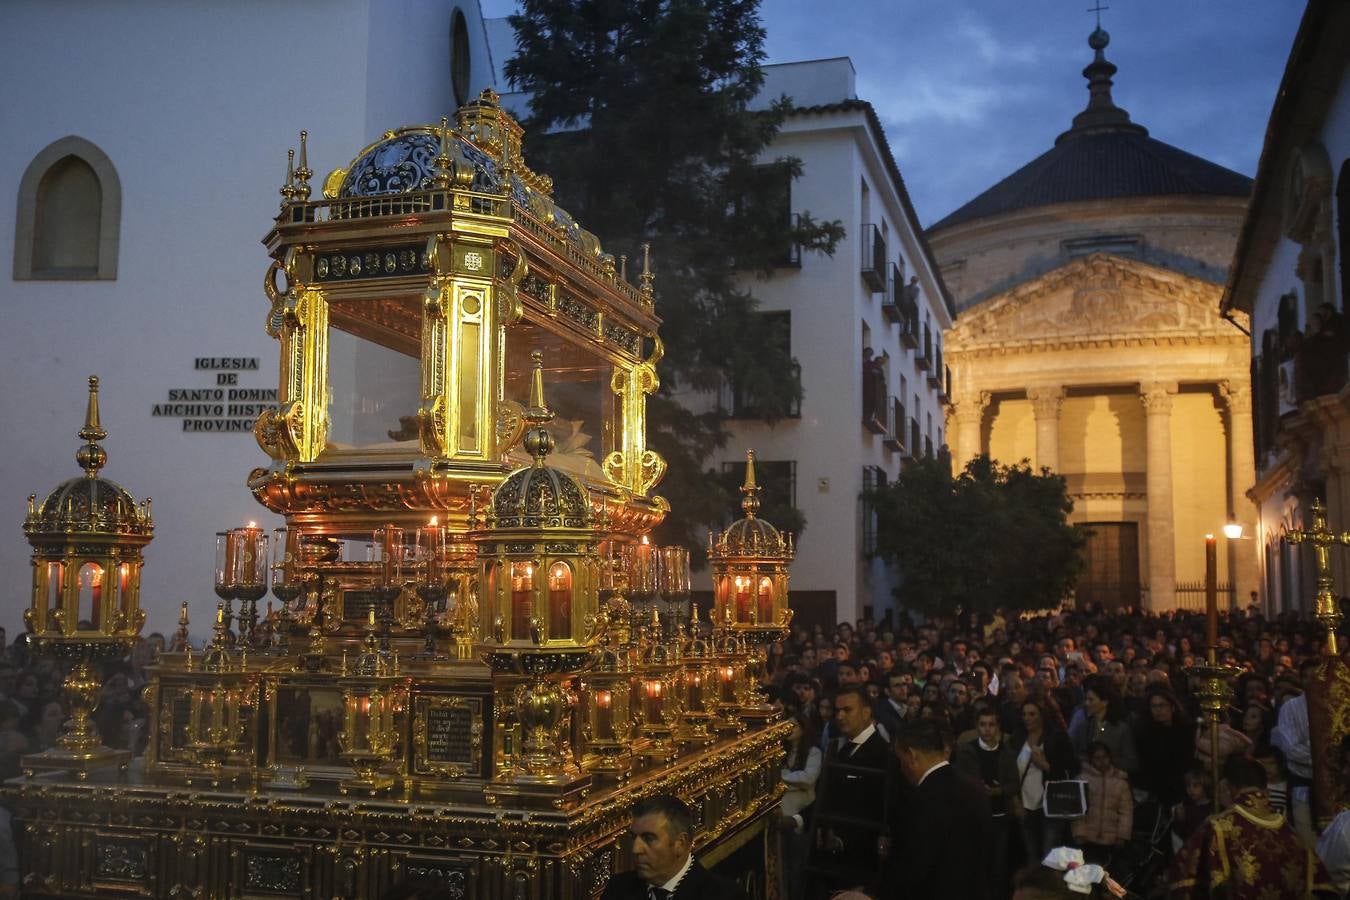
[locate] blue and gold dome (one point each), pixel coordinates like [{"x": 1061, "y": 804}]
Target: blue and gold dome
[{"x": 480, "y": 153}]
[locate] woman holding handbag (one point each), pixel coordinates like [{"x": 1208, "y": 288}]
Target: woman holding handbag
[{"x": 1044, "y": 754}]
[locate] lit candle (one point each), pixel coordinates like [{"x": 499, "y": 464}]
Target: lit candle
[
  {"x": 434, "y": 537},
  {"x": 1211, "y": 594},
  {"x": 604, "y": 701}
]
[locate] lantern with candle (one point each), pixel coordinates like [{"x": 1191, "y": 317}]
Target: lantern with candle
[
  {"x": 655, "y": 683},
  {"x": 218, "y": 739},
  {"x": 374, "y": 698},
  {"x": 539, "y": 570},
  {"x": 609, "y": 724},
  {"x": 750, "y": 563},
  {"x": 697, "y": 685},
  {"x": 87, "y": 538}
]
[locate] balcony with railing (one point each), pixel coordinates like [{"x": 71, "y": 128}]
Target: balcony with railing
[
  {"x": 924, "y": 358},
  {"x": 873, "y": 257},
  {"x": 874, "y": 397},
  {"x": 935, "y": 373},
  {"x": 732, "y": 404},
  {"x": 895, "y": 426},
  {"x": 895, "y": 294}
]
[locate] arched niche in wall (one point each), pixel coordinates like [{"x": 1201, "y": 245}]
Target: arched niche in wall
[{"x": 69, "y": 214}]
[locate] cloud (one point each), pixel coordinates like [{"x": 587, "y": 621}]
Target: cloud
[
  {"x": 922, "y": 98},
  {"x": 974, "y": 34}
]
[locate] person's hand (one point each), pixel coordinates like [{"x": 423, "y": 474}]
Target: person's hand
[
  {"x": 1038, "y": 757},
  {"x": 994, "y": 790}
]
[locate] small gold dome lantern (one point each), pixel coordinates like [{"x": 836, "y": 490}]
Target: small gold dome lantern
[
  {"x": 539, "y": 572},
  {"x": 87, "y": 537},
  {"x": 750, "y": 563}
]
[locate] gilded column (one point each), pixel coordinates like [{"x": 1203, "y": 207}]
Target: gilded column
[
  {"x": 1045, "y": 404},
  {"x": 1162, "y": 563},
  {"x": 1241, "y": 477},
  {"x": 968, "y": 414}
]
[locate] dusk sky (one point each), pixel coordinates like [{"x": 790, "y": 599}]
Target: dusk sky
[{"x": 970, "y": 90}]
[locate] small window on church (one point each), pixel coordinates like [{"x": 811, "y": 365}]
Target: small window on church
[
  {"x": 459, "y": 57},
  {"x": 69, "y": 214}
]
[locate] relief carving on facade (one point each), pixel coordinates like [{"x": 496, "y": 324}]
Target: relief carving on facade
[{"x": 1094, "y": 298}]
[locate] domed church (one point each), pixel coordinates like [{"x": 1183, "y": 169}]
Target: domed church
[{"x": 1089, "y": 342}]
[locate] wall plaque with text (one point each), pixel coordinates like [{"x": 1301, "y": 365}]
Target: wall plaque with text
[{"x": 448, "y": 736}]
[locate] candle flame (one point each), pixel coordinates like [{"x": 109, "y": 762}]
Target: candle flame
[
  {"x": 252, "y": 524},
  {"x": 433, "y": 521},
  {"x": 644, "y": 539}
]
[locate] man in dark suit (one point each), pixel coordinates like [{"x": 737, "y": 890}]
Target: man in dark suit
[
  {"x": 848, "y": 828},
  {"x": 662, "y": 835},
  {"x": 945, "y": 835}
]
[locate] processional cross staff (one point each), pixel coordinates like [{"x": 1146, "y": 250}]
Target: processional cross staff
[{"x": 1322, "y": 540}]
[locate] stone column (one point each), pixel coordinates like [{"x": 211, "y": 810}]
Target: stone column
[
  {"x": 1045, "y": 403},
  {"x": 968, "y": 414},
  {"x": 1162, "y": 563},
  {"x": 1245, "y": 568}
]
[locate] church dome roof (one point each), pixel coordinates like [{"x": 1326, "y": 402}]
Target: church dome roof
[{"x": 1104, "y": 156}]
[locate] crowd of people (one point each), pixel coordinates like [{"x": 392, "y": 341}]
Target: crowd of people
[
  {"x": 894, "y": 724},
  {"x": 1098, "y": 704}
]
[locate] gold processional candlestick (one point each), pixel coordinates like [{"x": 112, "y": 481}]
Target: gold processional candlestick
[{"x": 1213, "y": 676}]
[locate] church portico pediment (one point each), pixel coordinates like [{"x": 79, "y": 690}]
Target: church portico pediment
[{"x": 1092, "y": 299}]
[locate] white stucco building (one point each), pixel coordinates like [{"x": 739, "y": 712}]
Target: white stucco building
[
  {"x": 1290, "y": 265},
  {"x": 857, "y": 425},
  {"x": 169, "y": 124}
]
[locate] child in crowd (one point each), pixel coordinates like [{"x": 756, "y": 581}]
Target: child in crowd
[
  {"x": 1110, "y": 808},
  {"x": 1190, "y": 814}
]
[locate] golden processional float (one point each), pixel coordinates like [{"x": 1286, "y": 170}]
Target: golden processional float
[{"x": 479, "y": 661}]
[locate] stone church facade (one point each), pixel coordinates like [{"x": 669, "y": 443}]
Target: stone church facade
[{"x": 1090, "y": 342}]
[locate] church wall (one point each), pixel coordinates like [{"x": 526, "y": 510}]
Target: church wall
[
  {"x": 1102, "y": 435},
  {"x": 1199, "y": 484},
  {"x": 1012, "y": 432},
  {"x": 196, "y": 121}
]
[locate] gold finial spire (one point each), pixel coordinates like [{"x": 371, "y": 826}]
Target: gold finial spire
[
  {"x": 647, "y": 277},
  {"x": 91, "y": 456},
  {"x": 750, "y": 490},
  {"x": 538, "y": 442},
  {"x": 443, "y": 177},
  {"x": 288, "y": 189},
  {"x": 303, "y": 172}
]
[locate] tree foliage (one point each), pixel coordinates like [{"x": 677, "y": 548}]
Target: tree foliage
[
  {"x": 639, "y": 112},
  {"x": 992, "y": 536}
]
